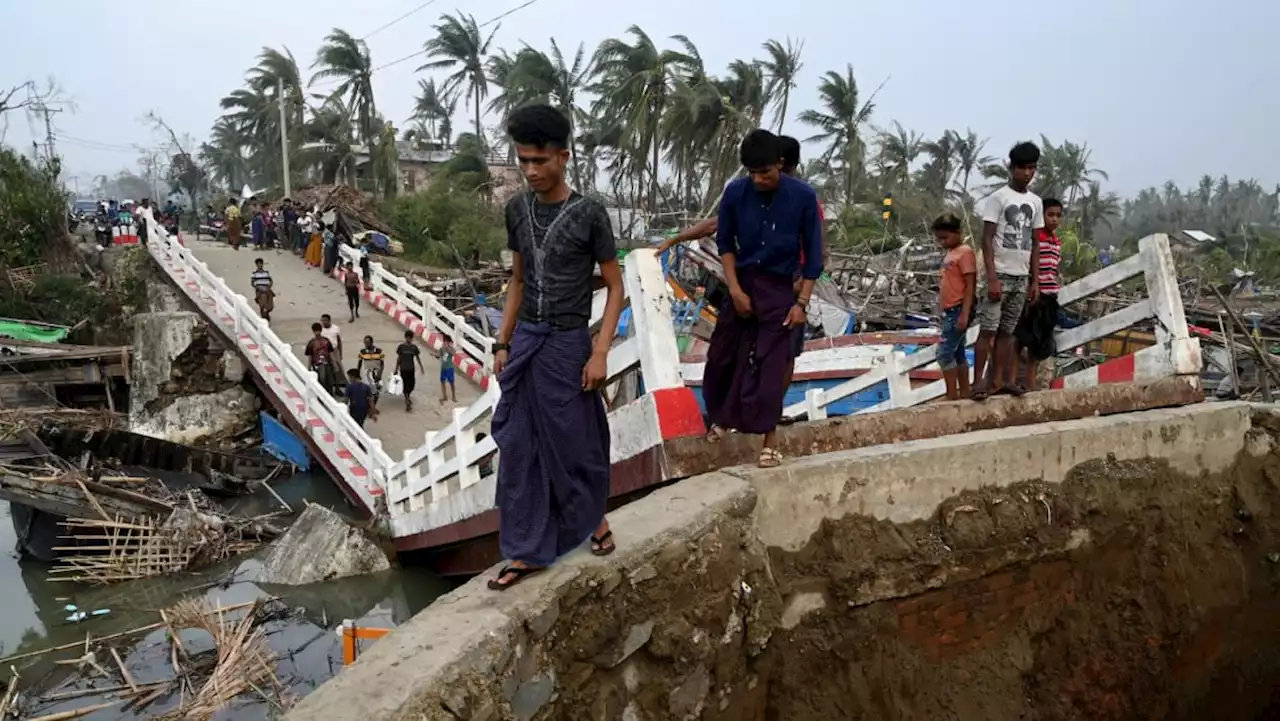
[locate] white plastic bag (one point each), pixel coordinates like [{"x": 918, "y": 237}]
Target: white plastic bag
[{"x": 395, "y": 387}]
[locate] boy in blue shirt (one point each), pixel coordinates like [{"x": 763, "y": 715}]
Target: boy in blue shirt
[{"x": 767, "y": 222}]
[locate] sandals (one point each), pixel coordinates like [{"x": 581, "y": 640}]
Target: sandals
[
  {"x": 715, "y": 434},
  {"x": 769, "y": 458},
  {"x": 1014, "y": 389},
  {"x": 603, "y": 545},
  {"x": 517, "y": 573},
  {"x": 980, "y": 392}
]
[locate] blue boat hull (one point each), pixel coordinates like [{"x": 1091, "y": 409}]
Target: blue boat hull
[{"x": 281, "y": 443}]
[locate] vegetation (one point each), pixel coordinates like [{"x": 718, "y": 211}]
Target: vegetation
[
  {"x": 33, "y": 209},
  {"x": 33, "y": 230},
  {"x": 655, "y": 128}
]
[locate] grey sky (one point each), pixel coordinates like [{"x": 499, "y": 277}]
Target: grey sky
[{"x": 1159, "y": 89}]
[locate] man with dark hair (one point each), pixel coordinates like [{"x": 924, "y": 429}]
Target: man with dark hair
[
  {"x": 790, "y": 148},
  {"x": 550, "y": 425},
  {"x": 765, "y": 220},
  {"x": 1010, "y": 216}
]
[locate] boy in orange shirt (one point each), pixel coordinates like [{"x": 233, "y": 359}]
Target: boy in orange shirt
[{"x": 959, "y": 278}]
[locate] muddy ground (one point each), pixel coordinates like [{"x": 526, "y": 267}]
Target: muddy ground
[{"x": 1128, "y": 592}]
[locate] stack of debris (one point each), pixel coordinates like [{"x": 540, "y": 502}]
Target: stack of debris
[
  {"x": 355, "y": 210},
  {"x": 204, "y": 681}
]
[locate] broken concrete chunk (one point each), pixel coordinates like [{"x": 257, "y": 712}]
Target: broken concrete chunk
[
  {"x": 637, "y": 636},
  {"x": 321, "y": 546}
]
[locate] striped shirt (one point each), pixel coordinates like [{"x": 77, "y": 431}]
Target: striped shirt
[
  {"x": 1050, "y": 259},
  {"x": 260, "y": 279}
]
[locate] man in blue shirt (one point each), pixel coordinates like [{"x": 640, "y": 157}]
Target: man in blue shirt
[{"x": 768, "y": 221}]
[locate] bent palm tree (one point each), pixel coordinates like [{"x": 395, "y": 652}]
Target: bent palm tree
[
  {"x": 345, "y": 59},
  {"x": 840, "y": 125},
  {"x": 429, "y": 106},
  {"x": 460, "y": 46},
  {"x": 782, "y": 67}
]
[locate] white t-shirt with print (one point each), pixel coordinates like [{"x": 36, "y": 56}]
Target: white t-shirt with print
[
  {"x": 334, "y": 334},
  {"x": 1017, "y": 216}
]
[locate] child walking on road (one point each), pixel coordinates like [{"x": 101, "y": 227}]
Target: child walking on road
[{"x": 446, "y": 372}]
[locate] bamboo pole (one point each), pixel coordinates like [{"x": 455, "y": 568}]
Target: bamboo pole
[{"x": 141, "y": 629}]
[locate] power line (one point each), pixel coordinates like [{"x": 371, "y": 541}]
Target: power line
[{"x": 402, "y": 17}]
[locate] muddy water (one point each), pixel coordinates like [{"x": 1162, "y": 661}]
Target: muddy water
[{"x": 34, "y": 616}]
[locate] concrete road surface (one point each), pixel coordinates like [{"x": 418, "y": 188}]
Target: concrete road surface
[{"x": 302, "y": 295}]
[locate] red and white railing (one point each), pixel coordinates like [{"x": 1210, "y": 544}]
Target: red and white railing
[
  {"x": 358, "y": 459},
  {"x": 1175, "y": 351}
]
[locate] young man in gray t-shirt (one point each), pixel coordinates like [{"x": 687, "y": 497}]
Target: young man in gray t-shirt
[{"x": 1010, "y": 217}]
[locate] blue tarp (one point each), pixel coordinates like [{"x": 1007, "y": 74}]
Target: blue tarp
[{"x": 282, "y": 444}]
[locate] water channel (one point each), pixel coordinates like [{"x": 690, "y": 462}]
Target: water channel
[{"x": 309, "y": 652}]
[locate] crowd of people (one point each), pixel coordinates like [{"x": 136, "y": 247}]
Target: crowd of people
[
  {"x": 287, "y": 226},
  {"x": 361, "y": 385}
]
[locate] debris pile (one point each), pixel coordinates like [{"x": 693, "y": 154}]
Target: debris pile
[
  {"x": 110, "y": 551},
  {"x": 203, "y": 682},
  {"x": 355, "y": 209}
]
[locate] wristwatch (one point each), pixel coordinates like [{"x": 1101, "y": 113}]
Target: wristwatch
[{"x": 500, "y": 346}]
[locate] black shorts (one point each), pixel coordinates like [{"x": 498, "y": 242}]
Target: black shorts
[
  {"x": 353, "y": 297},
  {"x": 409, "y": 381}
]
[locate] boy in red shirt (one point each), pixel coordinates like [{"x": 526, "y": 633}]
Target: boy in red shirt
[
  {"x": 1035, "y": 330},
  {"x": 956, "y": 294}
]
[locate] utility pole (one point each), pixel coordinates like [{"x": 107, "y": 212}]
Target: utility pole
[
  {"x": 284, "y": 136},
  {"x": 48, "y": 127}
]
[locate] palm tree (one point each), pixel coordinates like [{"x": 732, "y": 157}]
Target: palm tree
[
  {"x": 898, "y": 150},
  {"x": 1096, "y": 209},
  {"x": 329, "y": 142},
  {"x": 345, "y": 59},
  {"x": 941, "y": 166},
  {"x": 635, "y": 85},
  {"x": 459, "y": 46},
  {"x": 429, "y": 106},
  {"x": 840, "y": 125},
  {"x": 223, "y": 154},
  {"x": 969, "y": 158},
  {"x": 782, "y": 67},
  {"x": 533, "y": 76},
  {"x": 277, "y": 70},
  {"x": 1065, "y": 170}
]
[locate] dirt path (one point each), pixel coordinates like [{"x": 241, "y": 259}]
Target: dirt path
[{"x": 303, "y": 294}]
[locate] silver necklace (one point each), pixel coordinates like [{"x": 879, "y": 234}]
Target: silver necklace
[{"x": 533, "y": 213}]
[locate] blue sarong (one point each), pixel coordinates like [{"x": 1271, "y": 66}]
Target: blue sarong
[{"x": 553, "y": 444}]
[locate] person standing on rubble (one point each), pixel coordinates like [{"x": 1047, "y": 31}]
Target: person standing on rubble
[
  {"x": 765, "y": 221},
  {"x": 550, "y": 425}
]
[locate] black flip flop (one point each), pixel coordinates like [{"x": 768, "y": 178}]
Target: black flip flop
[
  {"x": 520, "y": 573},
  {"x": 1014, "y": 390},
  {"x": 980, "y": 394},
  {"x": 597, "y": 544}
]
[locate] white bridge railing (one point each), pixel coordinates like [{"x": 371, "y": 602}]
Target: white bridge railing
[
  {"x": 1175, "y": 352},
  {"x": 423, "y": 304},
  {"x": 421, "y": 485},
  {"x": 356, "y": 456}
]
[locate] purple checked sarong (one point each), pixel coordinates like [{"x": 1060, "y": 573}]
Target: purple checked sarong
[
  {"x": 748, "y": 357},
  {"x": 553, "y": 444}
]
